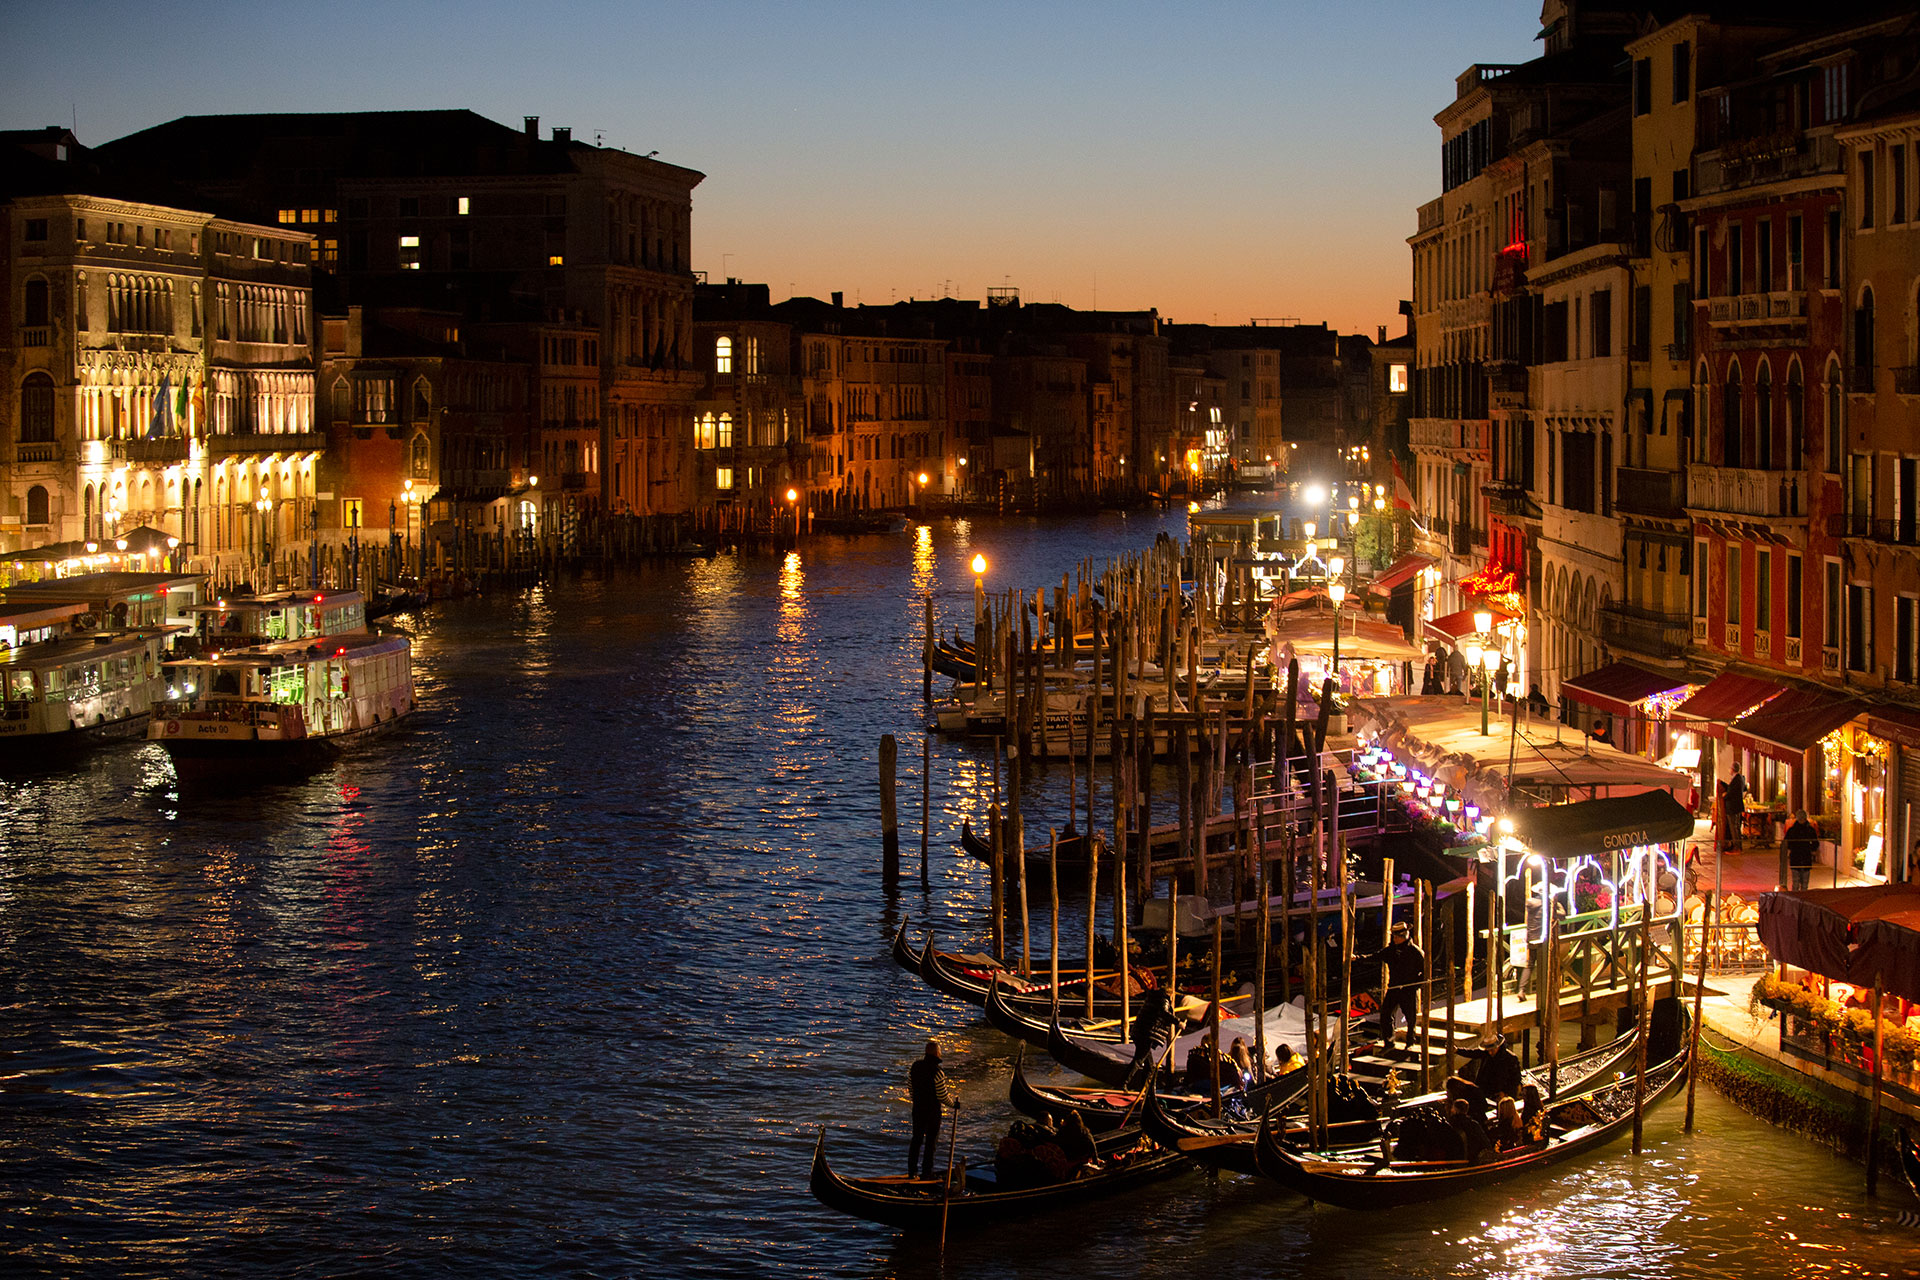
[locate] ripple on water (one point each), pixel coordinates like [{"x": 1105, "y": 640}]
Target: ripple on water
[{"x": 568, "y": 979}]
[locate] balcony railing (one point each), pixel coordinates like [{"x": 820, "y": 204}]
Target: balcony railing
[
  {"x": 225, "y": 443},
  {"x": 36, "y": 451},
  {"x": 38, "y": 335},
  {"x": 1743, "y": 491},
  {"x": 1904, "y": 532},
  {"x": 1645, "y": 492},
  {"x": 573, "y": 482},
  {"x": 167, "y": 450},
  {"x": 1906, "y": 380},
  {"x": 1648, "y": 632},
  {"x": 1754, "y": 308}
]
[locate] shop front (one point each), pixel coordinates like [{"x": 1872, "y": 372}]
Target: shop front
[{"x": 1636, "y": 703}]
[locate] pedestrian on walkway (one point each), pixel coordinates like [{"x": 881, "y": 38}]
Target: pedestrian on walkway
[
  {"x": 1736, "y": 810},
  {"x": 1802, "y": 843}
]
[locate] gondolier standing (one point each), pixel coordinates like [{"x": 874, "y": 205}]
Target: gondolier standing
[
  {"x": 931, "y": 1091},
  {"x": 1406, "y": 970}
]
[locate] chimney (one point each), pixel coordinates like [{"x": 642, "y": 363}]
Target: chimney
[
  {"x": 1383, "y": 336},
  {"x": 562, "y": 135},
  {"x": 837, "y": 297},
  {"x": 533, "y": 127}
]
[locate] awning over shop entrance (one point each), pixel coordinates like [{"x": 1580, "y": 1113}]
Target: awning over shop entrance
[
  {"x": 1591, "y": 828},
  {"x": 1856, "y": 935},
  {"x": 1726, "y": 698},
  {"x": 1453, "y": 627},
  {"x": 1618, "y": 686},
  {"x": 1398, "y": 572},
  {"x": 1789, "y": 724}
]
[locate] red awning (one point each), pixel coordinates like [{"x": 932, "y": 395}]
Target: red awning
[
  {"x": 1453, "y": 627},
  {"x": 1787, "y": 725},
  {"x": 1895, "y": 723},
  {"x": 1726, "y": 698},
  {"x": 1398, "y": 572},
  {"x": 1860, "y": 935},
  {"x": 1616, "y": 687}
]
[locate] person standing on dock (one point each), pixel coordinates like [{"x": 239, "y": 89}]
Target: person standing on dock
[
  {"x": 931, "y": 1091},
  {"x": 1406, "y": 967}
]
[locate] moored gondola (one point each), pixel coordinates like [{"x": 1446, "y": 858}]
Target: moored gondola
[
  {"x": 1362, "y": 1178},
  {"x": 1072, "y": 854},
  {"x": 903, "y": 953},
  {"x": 1910, "y": 1161},
  {"x": 1029, "y": 1016},
  {"x": 1122, "y": 1159},
  {"x": 1112, "y": 1061},
  {"x": 970, "y": 977},
  {"x": 1229, "y": 1143}
]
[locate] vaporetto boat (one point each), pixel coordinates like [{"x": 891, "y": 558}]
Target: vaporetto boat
[
  {"x": 294, "y": 703},
  {"x": 73, "y": 690}
]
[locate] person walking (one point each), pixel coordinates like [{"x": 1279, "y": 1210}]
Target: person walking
[
  {"x": 1802, "y": 843},
  {"x": 931, "y": 1092}
]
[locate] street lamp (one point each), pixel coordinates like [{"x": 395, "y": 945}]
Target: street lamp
[
  {"x": 921, "y": 501},
  {"x": 793, "y": 505},
  {"x": 1337, "y": 592},
  {"x": 1489, "y": 661}
]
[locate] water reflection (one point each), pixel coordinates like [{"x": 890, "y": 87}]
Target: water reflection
[{"x": 568, "y": 979}]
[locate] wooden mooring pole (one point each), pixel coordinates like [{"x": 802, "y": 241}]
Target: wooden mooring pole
[{"x": 889, "y": 818}]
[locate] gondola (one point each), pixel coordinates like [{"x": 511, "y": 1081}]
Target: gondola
[
  {"x": 1361, "y": 1178},
  {"x": 1073, "y": 853},
  {"x": 1910, "y": 1161},
  {"x": 1230, "y": 1143},
  {"x": 903, "y": 953},
  {"x": 1104, "y": 1109},
  {"x": 1123, "y": 1159},
  {"x": 1111, "y": 1061},
  {"x": 1030, "y": 1016},
  {"x": 969, "y": 977}
]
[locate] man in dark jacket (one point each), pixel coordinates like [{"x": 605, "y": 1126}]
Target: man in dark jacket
[
  {"x": 1406, "y": 967},
  {"x": 1802, "y": 842},
  {"x": 1736, "y": 810},
  {"x": 1490, "y": 1072},
  {"x": 931, "y": 1091}
]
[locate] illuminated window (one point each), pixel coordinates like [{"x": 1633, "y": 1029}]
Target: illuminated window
[
  {"x": 723, "y": 478},
  {"x": 723, "y": 355},
  {"x": 723, "y": 438},
  {"x": 703, "y": 428},
  {"x": 1396, "y": 377},
  {"x": 556, "y": 259},
  {"x": 462, "y": 205},
  {"x": 350, "y": 513},
  {"x": 289, "y": 216},
  {"x": 409, "y": 253}
]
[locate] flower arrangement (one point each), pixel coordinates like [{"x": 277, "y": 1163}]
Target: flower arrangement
[{"x": 1850, "y": 1030}]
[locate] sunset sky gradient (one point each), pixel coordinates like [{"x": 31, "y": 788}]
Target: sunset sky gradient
[{"x": 1218, "y": 161}]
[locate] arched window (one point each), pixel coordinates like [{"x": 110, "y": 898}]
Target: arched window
[
  {"x": 1796, "y": 407},
  {"x": 1863, "y": 342},
  {"x": 1763, "y": 419},
  {"x": 723, "y": 355},
  {"x": 37, "y": 507},
  {"x": 421, "y": 463},
  {"x": 1730, "y": 436},
  {"x": 1836, "y": 424},
  {"x": 422, "y": 402},
  {"x": 36, "y": 409},
  {"x": 723, "y": 437},
  {"x": 37, "y": 310}
]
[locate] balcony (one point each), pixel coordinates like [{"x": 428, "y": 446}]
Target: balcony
[
  {"x": 1906, "y": 380},
  {"x": 227, "y": 445},
  {"x": 164, "y": 451},
  {"x": 36, "y": 451},
  {"x": 1743, "y": 491},
  {"x": 1510, "y": 498},
  {"x": 1904, "y": 532},
  {"x": 1647, "y": 632},
  {"x": 1757, "y": 308},
  {"x": 1646, "y": 492},
  {"x": 38, "y": 335},
  {"x": 1507, "y": 377}
]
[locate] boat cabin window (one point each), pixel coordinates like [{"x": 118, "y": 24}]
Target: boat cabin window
[
  {"x": 287, "y": 684},
  {"x": 19, "y": 686},
  {"x": 226, "y": 682}
]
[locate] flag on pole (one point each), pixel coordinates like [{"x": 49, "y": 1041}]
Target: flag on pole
[
  {"x": 1402, "y": 495},
  {"x": 162, "y": 409},
  {"x": 198, "y": 424},
  {"x": 180, "y": 401}
]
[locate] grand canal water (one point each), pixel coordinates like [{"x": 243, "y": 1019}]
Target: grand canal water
[{"x": 567, "y": 981}]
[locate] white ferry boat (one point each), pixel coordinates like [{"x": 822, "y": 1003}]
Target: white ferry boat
[
  {"x": 290, "y": 704},
  {"x": 77, "y": 689},
  {"x": 238, "y": 622}
]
